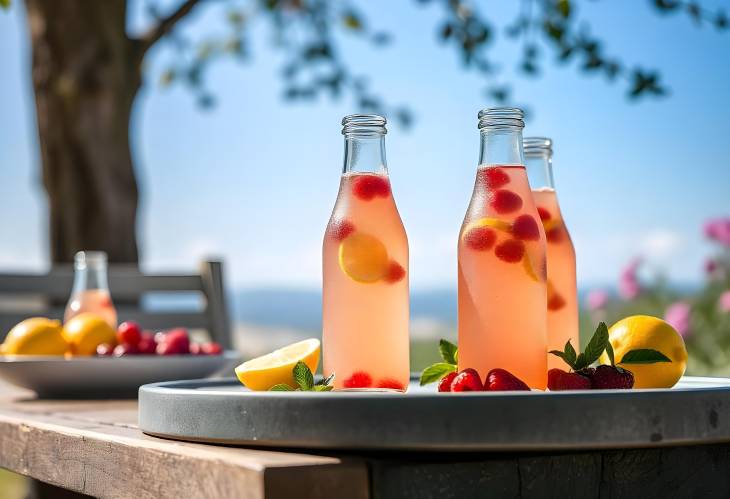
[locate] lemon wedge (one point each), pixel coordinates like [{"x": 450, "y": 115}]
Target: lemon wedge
[
  {"x": 276, "y": 367},
  {"x": 363, "y": 258},
  {"x": 494, "y": 223}
]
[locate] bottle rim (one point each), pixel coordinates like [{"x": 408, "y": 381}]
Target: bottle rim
[
  {"x": 364, "y": 125},
  {"x": 537, "y": 146},
  {"x": 501, "y": 118},
  {"x": 84, "y": 258}
]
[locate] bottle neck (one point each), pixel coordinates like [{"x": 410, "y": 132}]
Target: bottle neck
[
  {"x": 90, "y": 277},
  {"x": 540, "y": 170},
  {"x": 365, "y": 154},
  {"x": 501, "y": 146}
]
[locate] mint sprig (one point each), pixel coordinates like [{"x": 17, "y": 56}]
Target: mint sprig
[
  {"x": 450, "y": 354},
  {"x": 599, "y": 343},
  {"x": 305, "y": 380}
]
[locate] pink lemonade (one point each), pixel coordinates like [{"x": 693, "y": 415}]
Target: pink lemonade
[
  {"x": 502, "y": 289},
  {"x": 90, "y": 293},
  {"x": 562, "y": 297},
  {"x": 365, "y": 271},
  {"x": 95, "y": 301}
]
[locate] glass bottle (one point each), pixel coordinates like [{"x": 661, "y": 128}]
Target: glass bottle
[
  {"x": 90, "y": 293},
  {"x": 365, "y": 269},
  {"x": 562, "y": 292},
  {"x": 502, "y": 290}
]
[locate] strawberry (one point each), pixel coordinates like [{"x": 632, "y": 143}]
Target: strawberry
[
  {"x": 339, "y": 229},
  {"x": 561, "y": 380},
  {"x": 510, "y": 251},
  {"x": 525, "y": 228},
  {"x": 359, "y": 379},
  {"x": 607, "y": 377},
  {"x": 390, "y": 383},
  {"x": 505, "y": 201},
  {"x": 501, "y": 380},
  {"x": 544, "y": 213},
  {"x": 445, "y": 383},
  {"x": 493, "y": 177},
  {"x": 467, "y": 380},
  {"x": 367, "y": 186},
  {"x": 396, "y": 272},
  {"x": 480, "y": 238}
]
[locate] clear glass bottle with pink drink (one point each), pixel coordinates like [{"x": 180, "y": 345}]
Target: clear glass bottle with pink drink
[
  {"x": 365, "y": 269},
  {"x": 502, "y": 283},
  {"x": 90, "y": 291},
  {"x": 562, "y": 297}
]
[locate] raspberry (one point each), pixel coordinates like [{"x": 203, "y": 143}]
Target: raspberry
[
  {"x": 555, "y": 235},
  {"x": 147, "y": 344},
  {"x": 390, "y": 383},
  {"x": 505, "y": 201},
  {"x": 480, "y": 238},
  {"x": 467, "y": 380},
  {"x": 525, "y": 228},
  {"x": 555, "y": 302},
  {"x": 510, "y": 251},
  {"x": 493, "y": 177},
  {"x": 211, "y": 348},
  {"x": 560, "y": 380},
  {"x": 445, "y": 383},
  {"x": 501, "y": 380},
  {"x": 104, "y": 350},
  {"x": 359, "y": 379},
  {"x": 396, "y": 272},
  {"x": 339, "y": 229},
  {"x": 124, "y": 349},
  {"x": 174, "y": 342},
  {"x": 609, "y": 377},
  {"x": 366, "y": 186},
  {"x": 544, "y": 213},
  {"x": 129, "y": 332}
]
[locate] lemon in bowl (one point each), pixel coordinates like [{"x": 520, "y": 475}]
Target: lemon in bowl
[
  {"x": 85, "y": 332},
  {"x": 646, "y": 332},
  {"x": 35, "y": 336}
]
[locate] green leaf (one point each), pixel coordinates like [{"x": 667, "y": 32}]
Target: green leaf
[
  {"x": 644, "y": 356},
  {"x": 562, "y": 356},
  {"x": 564, "y": 7},
  {"x": 303, "y": 376},
  {"x": 448, "y": 351},
  {"x": 597, "y": 344},
  {"x": 570, "y": 354},
  {"x": 322, "y": 388},
  {"x": 609, "y": 351},
  {"x": 5, "y": 4},
  {"x": 435, "y": 372},
  {"x": 281, "y": 387},
  {"x": 580, "y": 362}
]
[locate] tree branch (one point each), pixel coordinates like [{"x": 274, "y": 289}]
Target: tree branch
[{"x": 166, "y": 25}]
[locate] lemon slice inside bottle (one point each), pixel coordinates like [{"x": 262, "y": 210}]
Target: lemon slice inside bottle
[
  {"x": 494, "y": 223},
  {"x": 363, "y": 258}
]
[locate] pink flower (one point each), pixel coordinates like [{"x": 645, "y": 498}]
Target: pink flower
[
  {"x": 628, "y": 285},
  {"x": 677, "y": 314},
  {"x": 710, "y": 266},
  {"x": 718, "y": 230},
  {"x": 597, "y": 299},
  {"x": 724, "y": 301}
]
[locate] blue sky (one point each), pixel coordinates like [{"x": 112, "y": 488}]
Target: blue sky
[{"x": 254, "y": 180}]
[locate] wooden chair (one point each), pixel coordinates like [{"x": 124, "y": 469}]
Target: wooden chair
[{"x": 29, "y": 295}]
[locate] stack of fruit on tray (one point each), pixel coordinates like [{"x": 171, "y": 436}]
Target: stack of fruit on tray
[{"x": 88, "y": 334}]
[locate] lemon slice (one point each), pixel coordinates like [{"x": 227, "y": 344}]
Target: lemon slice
[
  {"x": 494, "y": 223},
  {"x": 363, "y": 258},
  {"x": 276, "y": 367}
]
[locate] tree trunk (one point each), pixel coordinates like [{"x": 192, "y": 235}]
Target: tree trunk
[{"x": 86, "y": 73}]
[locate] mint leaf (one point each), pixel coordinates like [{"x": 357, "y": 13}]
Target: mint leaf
[
  {"x": 322, "y": 388},
  {"x": 281, "y": 387},
  {"x": 448, "y": 351},
  {"x": 562, "y": 355},
  {"x": 580, "y": 362},
  {"x": 644, "y": 356},
  {"x": 597, "y": 344},
  {"x": 303, "y": 376},
  {"x": 435, "y": 372},
  {"x": 570, "y": 354},
  {"x": 609, "y": 351}
]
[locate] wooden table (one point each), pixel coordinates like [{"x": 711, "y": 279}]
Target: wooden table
[{"x": 95, "y": 448}]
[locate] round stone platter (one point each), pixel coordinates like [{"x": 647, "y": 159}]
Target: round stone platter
[{"x": 696, "y": 411}]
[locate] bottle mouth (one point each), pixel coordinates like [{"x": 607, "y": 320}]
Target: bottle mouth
[
  {"x": 537, "y": 146},
  {"x": 501, "y": 118},
  {"x": 364, "y": 125},
  {"x": 89, "y": 258}
]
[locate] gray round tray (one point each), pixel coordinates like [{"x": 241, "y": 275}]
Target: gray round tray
[{"x": 696, "y": 411}]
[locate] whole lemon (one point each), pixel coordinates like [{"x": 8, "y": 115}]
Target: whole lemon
[
  {"x": 85, "y": 332},
  {"x": 35, "y": 336},
  {"x": 646, "y": 332}
]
